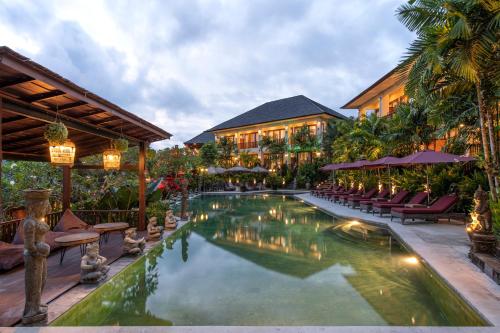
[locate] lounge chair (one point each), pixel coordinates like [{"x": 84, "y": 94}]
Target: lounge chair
[
  {"x": 336, "y": 196},
  {"x": 50, "y": 237},
  {"x": 398, "y": 201},
  {"x": 327, "y": 193},
  {"x": 438, "y": 209},
  {"x": 367, "y": 204},
  {"x": 332, "y": 196},
  {"x": 343, "y": 198},
  {"x": 11, "y": 255},
  {"x": 71, "y": 223},
  {"x": 323, "y": 187},
  {"x": 354, "y": 201}
]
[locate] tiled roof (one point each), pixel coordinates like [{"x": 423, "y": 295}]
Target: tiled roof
[
  {"x": 286, "y": 108},
  {"x": 201, "y": 139}
]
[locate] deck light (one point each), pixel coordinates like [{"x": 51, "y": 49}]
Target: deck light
[
  {"x": 411, "y": 260},
  {"x": 62, "y": 154},
  {"x": 111, "y": 159}
]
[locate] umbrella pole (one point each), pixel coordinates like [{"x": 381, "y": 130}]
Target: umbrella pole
[
  {"x": 427, "y": 188},
  {"x": 390, "y": 182}
]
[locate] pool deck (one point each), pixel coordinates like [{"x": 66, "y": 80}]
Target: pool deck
[{"x": 444, "y": 247}]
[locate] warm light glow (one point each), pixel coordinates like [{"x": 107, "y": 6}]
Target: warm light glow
[
  {"x": 260, "y": 218},
  {"x": 411, "y": 260},
  {"x": 111, "y": 159},
  {"x": 63, "y": 154},
  {"x": 360, "y": 187},
  {"x": 318, "y": 154},
  {"x": 393, "y": 189},
  {"x": 379, "y": 187}
]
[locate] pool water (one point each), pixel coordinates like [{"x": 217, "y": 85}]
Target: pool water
[{"x": 273, "y": 260}]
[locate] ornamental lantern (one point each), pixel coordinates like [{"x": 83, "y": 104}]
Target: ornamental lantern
[
  {"x": 111, "y": 159},
  {"x": 62, "y": 154}
]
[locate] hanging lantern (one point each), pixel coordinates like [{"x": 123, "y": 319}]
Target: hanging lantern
[
  {"x": 62, "y": 154},
  {"x": 111, "y": 159}
]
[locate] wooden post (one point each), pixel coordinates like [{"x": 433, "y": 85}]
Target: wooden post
[
  {"x": 1, "y": 159},
  {"x": 142, "y": 186},
  {"x": 66, "y": 195}
]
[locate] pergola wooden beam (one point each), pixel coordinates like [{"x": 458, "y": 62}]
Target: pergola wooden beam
[
  {"x": 15, "y": 81},
  {"x": 12, "y": 119},
  {"x": 41, "y": 96},
  {"x": 69, "y": 106},
  {"x": 48, "y": 116},
  {"x": 70, "y": 90}
]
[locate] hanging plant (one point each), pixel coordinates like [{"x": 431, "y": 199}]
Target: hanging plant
[
  {"x": 56, "y": 133},
  {"x": 121, "y": 145}
]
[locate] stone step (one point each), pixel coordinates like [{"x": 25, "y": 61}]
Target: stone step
[{"x": 490, "y": 265}]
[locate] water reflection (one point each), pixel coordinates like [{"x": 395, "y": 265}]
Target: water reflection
[{"x": 255, "y": 260}]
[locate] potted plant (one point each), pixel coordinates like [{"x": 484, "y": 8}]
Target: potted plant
[
  {"x": 120, "y": 144},
  {"x": 56, "y": 133}
]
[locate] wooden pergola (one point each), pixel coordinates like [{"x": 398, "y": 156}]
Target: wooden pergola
[{"x": 32, "y": 96}]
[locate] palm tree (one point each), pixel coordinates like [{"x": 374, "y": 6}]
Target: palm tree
[{"x": 456, "y": 46}]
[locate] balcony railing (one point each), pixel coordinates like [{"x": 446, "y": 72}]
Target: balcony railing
[
  {"x": 247, "y": 145},
  {"x": 8, "y": 228}
]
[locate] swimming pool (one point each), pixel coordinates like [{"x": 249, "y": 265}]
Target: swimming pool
[{"x": 272, "y": 260}]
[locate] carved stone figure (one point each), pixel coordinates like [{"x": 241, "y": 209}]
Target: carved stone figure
[
  {"x": 93, "y": 266},
  {"x": 131, "y": 245},
  {"x": 170, "y": 220},
  {"x": 154, "y": 230},
  {"x": 480, "y": 230},
  {"x": 35, "y": 254}
]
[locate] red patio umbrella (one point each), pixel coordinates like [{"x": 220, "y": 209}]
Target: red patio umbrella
[
  {"x": 384, "y": 162},
  {"x": 428, "y": 157}
]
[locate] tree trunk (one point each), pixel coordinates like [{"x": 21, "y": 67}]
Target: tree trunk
[
  {"x": 484, "y": 139},
  {"x": 493, "y": 147}
]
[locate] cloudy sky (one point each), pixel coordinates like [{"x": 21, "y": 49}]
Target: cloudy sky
[{"x": 187, "y": 65}]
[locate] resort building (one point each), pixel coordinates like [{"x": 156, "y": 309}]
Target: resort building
[
  {"x": 278, "y": 120},
  {"x": 382, "y": 97}
]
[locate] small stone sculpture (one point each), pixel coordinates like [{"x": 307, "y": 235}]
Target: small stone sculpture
[
  {"x": 93, "y": 266},
  {"x": 480, "y": 230},
  {"x": 154, "y": 230},
  {"x": 170, "y": 220},
  {"x": 35, "y": 255},
  {"x": 131, "y": 245}
]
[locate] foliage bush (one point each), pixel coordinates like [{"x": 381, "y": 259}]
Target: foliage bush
[
  {"x": 56, "y": 133},
  {"x": 157, "y": 209},
  {"x": 120, "y": 144},
  {"x": 495, "y": 210},
  {"x": 209, "y": 154},
  {"x": 273, "y": 181}
]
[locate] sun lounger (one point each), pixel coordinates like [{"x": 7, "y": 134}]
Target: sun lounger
[
  {"x": 398, "y": 201},
  {"x": 343, "y": 198},
  {"x": 50, "y": 237},
  {"x": 438, "y": 209},
  {"x": 335, "y": 196},
  {"x": 354, "y": 201},
  {"x": 367, "y": 204},
  {"x": 11, "y": 255}
]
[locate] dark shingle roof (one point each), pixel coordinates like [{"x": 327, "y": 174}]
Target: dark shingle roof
[
  {"x": 281, "y": 109},
  {"x": 201, "y": 139}
]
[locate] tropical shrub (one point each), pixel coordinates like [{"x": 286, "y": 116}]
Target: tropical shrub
[
  {"x": 209, "y": 154},
  {"x": 273, "y": 181},
  {"x": 157, "y": 209}
]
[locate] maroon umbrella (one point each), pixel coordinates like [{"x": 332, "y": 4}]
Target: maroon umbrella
[
  {"x": 354, "y": 165},
  {"x": 431, "y": 157},
  {"x": 384, "y": 162},
  {"x": 428, "y": 157}
]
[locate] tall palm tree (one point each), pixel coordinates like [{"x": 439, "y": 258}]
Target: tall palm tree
[{"x": 457, "y": 45}]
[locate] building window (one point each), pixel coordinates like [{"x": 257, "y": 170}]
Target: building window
[
  {"x": 273, "y": 161},
  {"x": 248, "y": 140},
  {"x": 312, "y": 131},
  {"x": 276, "y": 135}
]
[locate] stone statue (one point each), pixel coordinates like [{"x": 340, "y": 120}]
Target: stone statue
[
  {"x": 154, "y": 230},
  {"x": 480, "y": 230},
  {"x": 131, "y": 245},
  {"x": 93, "y": 266},
  {"x": 35, "y": 254},
  {"x": 170, "y": 220}
]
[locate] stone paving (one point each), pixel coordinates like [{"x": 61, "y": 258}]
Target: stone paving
[{"x": 444, "y": 247}]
